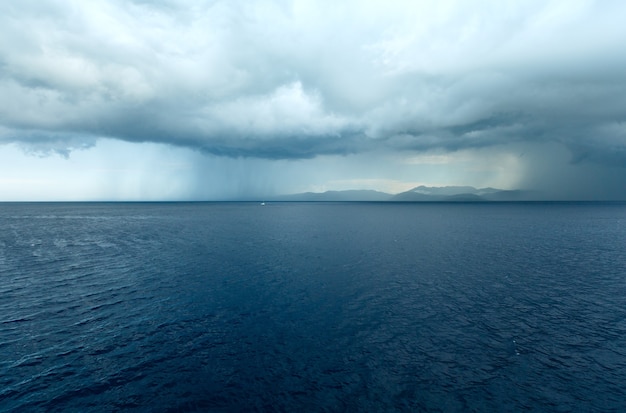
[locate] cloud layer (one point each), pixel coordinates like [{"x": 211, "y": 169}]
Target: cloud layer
[
  {"x": 538, "y": 87},
  {"x": 297, "y": 79}
]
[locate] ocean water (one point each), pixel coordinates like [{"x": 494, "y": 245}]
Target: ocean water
[{"x": 332, "y": 307}]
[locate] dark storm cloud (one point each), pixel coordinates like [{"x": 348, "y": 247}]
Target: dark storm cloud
[{"x": 297, "y": 79}]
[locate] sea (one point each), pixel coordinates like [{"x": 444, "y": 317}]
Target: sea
[{"x": 313, "y": 307}]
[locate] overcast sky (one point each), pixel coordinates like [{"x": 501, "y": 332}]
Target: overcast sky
[{"x": 167, "y": 100}]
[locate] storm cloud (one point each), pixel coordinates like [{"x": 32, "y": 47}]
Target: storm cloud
[{"x": 301, "y": 79}]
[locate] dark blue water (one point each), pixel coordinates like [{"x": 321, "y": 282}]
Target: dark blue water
[{"x": 313, "y": 307}]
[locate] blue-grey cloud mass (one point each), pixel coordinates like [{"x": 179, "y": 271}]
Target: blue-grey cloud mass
[{"x": 296, "y": 79}]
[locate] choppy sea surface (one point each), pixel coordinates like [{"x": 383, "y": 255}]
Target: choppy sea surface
[{"x": 290, "y": 307}]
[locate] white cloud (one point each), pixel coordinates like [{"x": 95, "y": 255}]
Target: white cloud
[{"x": 288, "y": 110}]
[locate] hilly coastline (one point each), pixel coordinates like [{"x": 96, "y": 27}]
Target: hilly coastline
[{"x": 418, "y": 194}]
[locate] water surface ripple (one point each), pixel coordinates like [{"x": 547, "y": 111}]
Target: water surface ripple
[{"x": 312, "y": 307}]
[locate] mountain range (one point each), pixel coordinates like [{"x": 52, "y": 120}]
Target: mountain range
[{"x": 418, "y": 194}]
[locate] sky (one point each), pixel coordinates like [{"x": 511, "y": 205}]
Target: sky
[{"x": 223, "y": 100}]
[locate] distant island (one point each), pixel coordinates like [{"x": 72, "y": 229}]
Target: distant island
[{"x": 418, "y": 194}]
